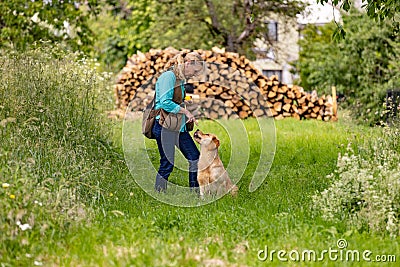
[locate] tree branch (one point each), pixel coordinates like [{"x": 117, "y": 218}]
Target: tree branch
[
  {"x": 250, "y": 22},
  {"x": 215, "y": 25},
  {"x": 213, "y": 32}
]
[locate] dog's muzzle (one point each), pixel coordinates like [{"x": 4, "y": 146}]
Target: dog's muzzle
[{"x": 196, "y": 134}]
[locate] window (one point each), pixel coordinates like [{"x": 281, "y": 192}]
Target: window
[
  {"x": 269, "y": 73},
  {"x": 272, "y": 30}
]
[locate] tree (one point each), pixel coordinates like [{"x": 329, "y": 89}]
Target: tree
[
  {"x": 123, "y": 28},
  {"x": 362, "y": 66},
  {"x": 378, "y": 10},
  {"x": 24, "y": 22},
  {"x": 233, "y": 24},
  {"x": 195, "y": 24}
]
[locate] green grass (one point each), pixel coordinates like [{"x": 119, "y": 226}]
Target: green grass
[
  {"x": 140, "y": 231},
  {"x": 73, "y": 177}
]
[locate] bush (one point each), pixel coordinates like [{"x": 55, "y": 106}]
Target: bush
[
  {"x": 365, "y": 192},
  {"x": 53, "y": 147},
  {"x": 363, "y": 66}
]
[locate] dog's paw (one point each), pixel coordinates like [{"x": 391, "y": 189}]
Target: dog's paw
[{"x": 234, "y": 190}]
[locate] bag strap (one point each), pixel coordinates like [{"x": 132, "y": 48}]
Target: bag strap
[
  {"x": 179, "y": 84},
  {"x": 152, "y": 104}
]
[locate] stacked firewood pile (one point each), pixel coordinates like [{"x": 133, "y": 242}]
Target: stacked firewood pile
[{"x": 232, "y": 88}]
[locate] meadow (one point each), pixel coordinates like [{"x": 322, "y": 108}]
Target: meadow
[{"x": 70, "y": 197}]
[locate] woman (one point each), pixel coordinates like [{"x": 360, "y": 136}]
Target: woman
[{"x": 179, "y": 68}]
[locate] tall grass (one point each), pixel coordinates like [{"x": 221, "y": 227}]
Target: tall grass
[{"x": 54, "y": 148}]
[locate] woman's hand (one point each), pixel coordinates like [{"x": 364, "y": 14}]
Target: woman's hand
[
  {"x": 188, "y": 100},
  {"x": 190, "y": 117}
]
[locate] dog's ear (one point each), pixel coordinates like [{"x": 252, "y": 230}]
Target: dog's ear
[{"x": 216, "y": 141}]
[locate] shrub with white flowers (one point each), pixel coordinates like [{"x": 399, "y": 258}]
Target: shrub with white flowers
[{"x": 365, "y": 191}]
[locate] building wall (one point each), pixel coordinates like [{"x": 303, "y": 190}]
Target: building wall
[{"x": 275, "y": 56}]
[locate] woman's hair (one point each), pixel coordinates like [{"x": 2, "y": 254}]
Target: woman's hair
[{"x": 177, "y": 62}]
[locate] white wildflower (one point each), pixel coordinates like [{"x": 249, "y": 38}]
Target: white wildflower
[
  {"x": 35, "y": 18},
  {"x": 67, "y": 27},
  {"x": 24, "y": 226}
]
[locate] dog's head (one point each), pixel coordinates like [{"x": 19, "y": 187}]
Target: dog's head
[{"x": 210, "y": 141}]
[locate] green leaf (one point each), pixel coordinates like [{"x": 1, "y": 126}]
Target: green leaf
[
  {"x": 339, "y": 33},
  {"x": 346, "y": 5}
]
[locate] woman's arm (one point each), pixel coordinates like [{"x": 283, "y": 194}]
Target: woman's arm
[{"x": 165, "y": 85}]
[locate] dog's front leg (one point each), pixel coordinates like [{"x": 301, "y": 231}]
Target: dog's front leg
[
  {"x": 202, "y": 190},
  {"x": 208, "y": 189}
]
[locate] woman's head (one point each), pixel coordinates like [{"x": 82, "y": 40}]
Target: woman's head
[{"x": 187, "y": 65}]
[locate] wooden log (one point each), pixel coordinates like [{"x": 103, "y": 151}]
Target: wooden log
[
  {"x": 207, "y": 103},
  {"x": 287, "y": 101},
  {"x": 225, "y": 96},
  {"x": 261, "y": 83},
  {"x": 269, "y": 104},
  {"x": 295, "y": 110},
  {"x": 302, "y": 100},
  {"x": 278, "y": 106},
  {"x": 259, "y": 112},
  {"x": 279, "y": 97},
  {"x": 298, "y": 94},
  {"x": 243, "y": 114},
  {"x": 229, "y": 104},
  {"x": 239, "y": 104},
  {"x": 282, "y": 89},
  {"x": 275, "y": 88},
  {"x": 316, "y": 109},
  {"x": 274, "y": 113},
  {"x": 302, "y": 110},
  {"x": 296, "y": 116},
  {"x": 245, "y": 108},
  {"x": 286, "y": 107},
  {"x": 287, "y": 114},
  {"x": 291, "y": 95},
  {"x": 221, "y": 112},
  {"x": 235, "y": 98},
  {"x": 209, "y": 92},
  {"x": 271, "y": 94}
]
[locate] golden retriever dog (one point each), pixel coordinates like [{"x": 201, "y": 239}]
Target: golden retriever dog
[{"x": 212, "y": 176}]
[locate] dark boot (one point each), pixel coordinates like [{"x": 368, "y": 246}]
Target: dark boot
[{"x": 161, "y": 184}]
